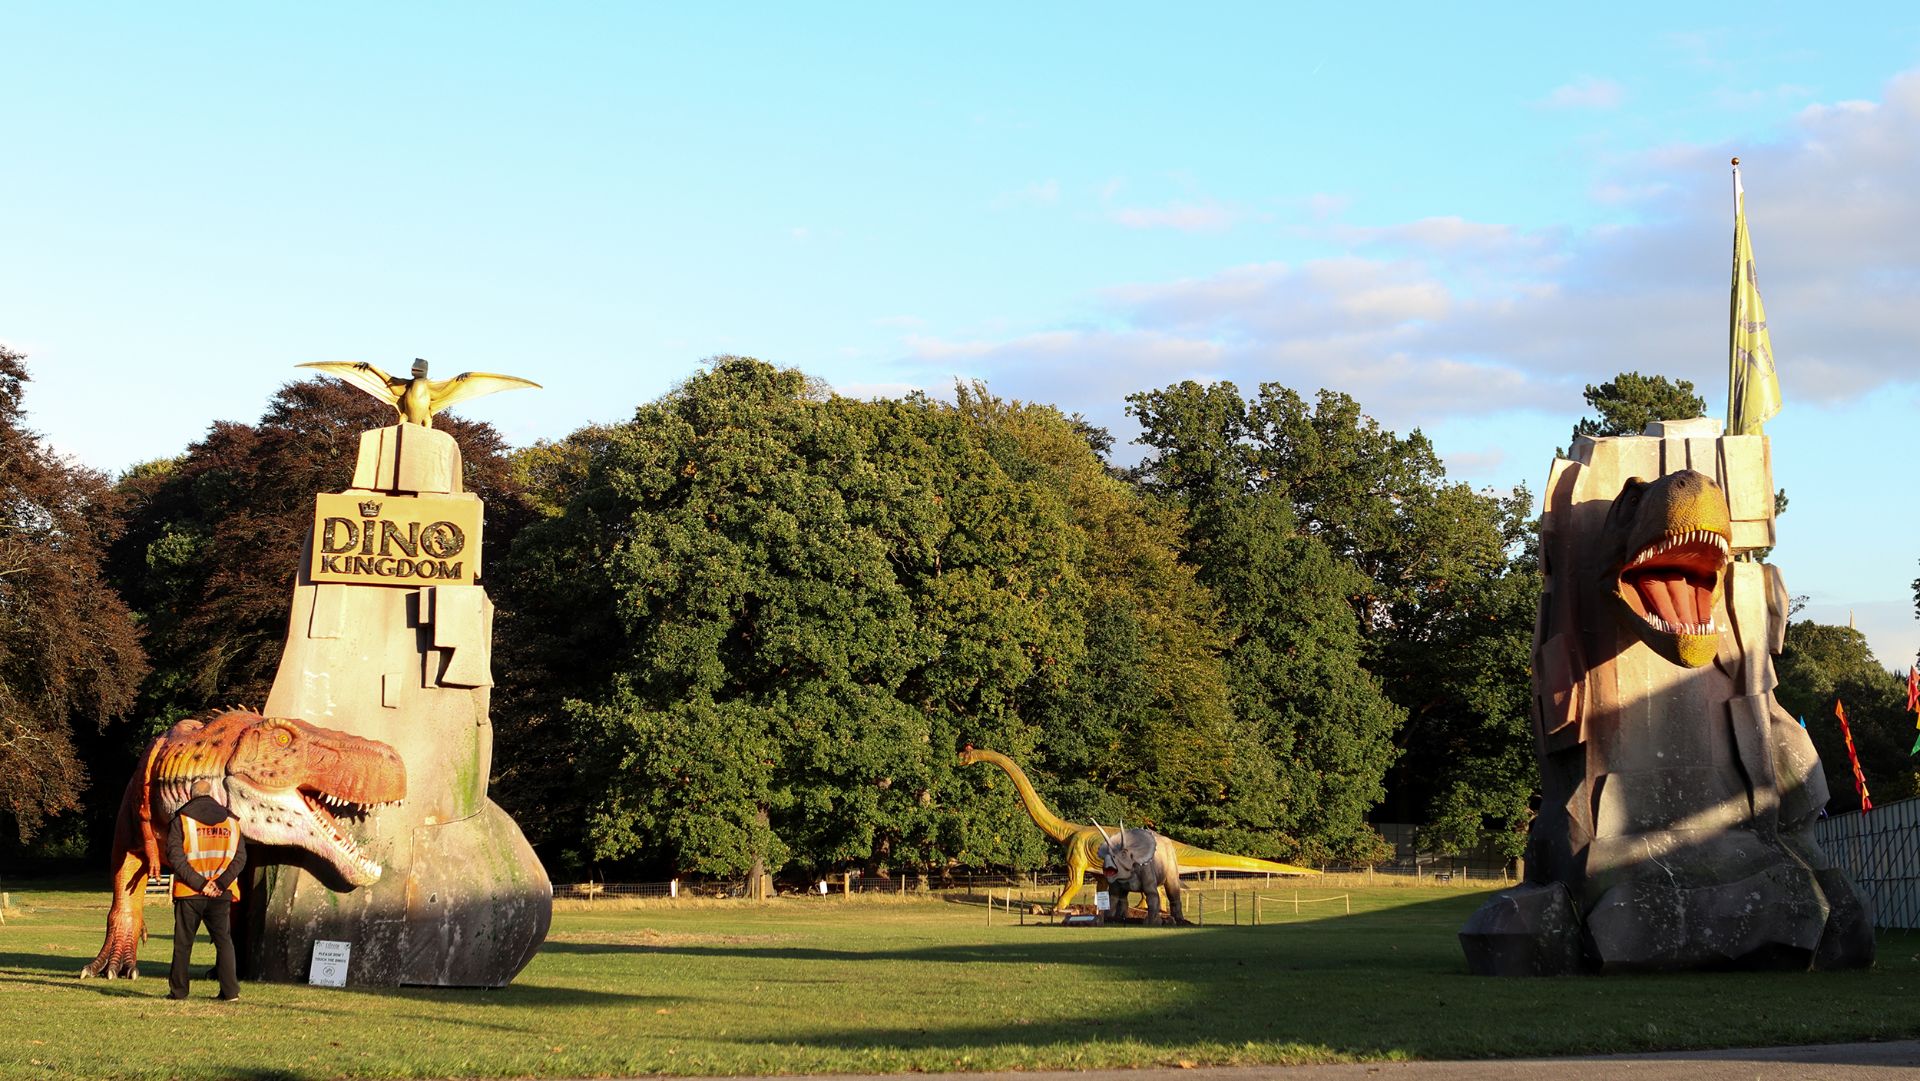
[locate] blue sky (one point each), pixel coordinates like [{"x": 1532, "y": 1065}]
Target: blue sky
[{"x": 1459, "y": 216}]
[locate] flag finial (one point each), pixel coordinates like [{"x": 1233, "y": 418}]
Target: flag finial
[{"x": 1736, "y": 161}]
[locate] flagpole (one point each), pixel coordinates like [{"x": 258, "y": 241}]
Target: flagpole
[{"x": 1733, "y": 307}]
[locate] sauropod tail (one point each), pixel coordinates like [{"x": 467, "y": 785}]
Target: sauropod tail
[{"x": 1201, "y": 859}]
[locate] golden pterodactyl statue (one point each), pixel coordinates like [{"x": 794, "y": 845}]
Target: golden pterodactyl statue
[{"x": 418, "y": 399}]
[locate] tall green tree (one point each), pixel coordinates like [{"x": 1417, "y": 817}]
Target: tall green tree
[
  {"x": 1295, "y": 670},
  {"x": 1628, "y": 402},
  {"x": 778, "y": 614},
  {"x": 1822, "y": 664},
  {"x": 738, "y": 550},
  {"x": 1141, "y": 726},
  {"x": 1439, "y": 583},
  {"x": 70, "y": 655}
]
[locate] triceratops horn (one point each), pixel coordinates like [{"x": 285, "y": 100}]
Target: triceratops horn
[{"x": 1104, "y": 835}]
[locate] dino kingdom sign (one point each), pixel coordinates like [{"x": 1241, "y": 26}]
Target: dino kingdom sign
[{"x": 395, "y": 540}]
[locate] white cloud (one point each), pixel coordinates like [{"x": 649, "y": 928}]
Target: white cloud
[
  {"x": 1762, "y": 97},
  {"x": 1323, "y": 205},
  {"x": 1203, "y": 216},
  {"x": 1586, "y": 92},
  {"x": 1446, "y": 317},
  {"x": 1039, "y": 193}
]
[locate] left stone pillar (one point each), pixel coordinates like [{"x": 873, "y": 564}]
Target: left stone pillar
[{"x": 390, "y": 637}]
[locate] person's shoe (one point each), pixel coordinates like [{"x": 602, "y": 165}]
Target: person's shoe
[
  {"x": 228, "y": 998},
  {"x": 176, "y": 998}
]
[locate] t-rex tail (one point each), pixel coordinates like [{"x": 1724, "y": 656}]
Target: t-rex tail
[{"x": 136, "y": 856}]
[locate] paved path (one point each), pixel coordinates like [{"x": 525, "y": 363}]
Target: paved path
[{"x": 1830, "y": 1062}]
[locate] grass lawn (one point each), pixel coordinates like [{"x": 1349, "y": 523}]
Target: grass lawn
[{"x": 829, "y": 985}]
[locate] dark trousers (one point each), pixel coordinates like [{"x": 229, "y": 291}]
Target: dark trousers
[{"x": 188, "y": 912}]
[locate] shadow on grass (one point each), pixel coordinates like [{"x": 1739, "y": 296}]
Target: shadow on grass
[
  {"x": 57, "y": 972},
  {"x": 1390, "y": 982},
  {"x": 43, "y": 962}
]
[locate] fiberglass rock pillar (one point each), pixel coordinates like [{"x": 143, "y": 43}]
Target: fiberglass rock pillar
[
  {"x": 1678, "y": 798},
  {"x": 390, "y": 637}
]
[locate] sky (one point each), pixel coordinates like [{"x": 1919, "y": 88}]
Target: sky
[{"x": 1459, "y": 216}]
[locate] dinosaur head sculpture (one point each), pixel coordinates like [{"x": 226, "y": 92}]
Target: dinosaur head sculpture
[
  {"x": 1667, "y": 545},
  {"x": 1126, "y": 856},
  {"x": 280, "y": 776}
]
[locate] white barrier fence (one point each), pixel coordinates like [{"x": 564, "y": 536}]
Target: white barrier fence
[{"x": 1880, "y": 850}]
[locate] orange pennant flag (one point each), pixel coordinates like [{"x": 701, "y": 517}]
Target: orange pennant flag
[{"x": 1859, "y": 778}]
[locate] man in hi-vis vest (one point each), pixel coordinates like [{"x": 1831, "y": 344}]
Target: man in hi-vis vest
[{"x": 207, "y": 855}]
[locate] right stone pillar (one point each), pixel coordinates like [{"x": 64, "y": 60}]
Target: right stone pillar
[{"x": 1675, "y": 828}]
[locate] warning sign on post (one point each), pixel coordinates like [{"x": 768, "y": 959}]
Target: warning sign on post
[
  {"x": 1101, "y": 901},
  {"x": 329, "y": 963}
]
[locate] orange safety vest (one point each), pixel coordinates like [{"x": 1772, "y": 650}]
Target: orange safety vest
[{"x": 210, "y": 850}]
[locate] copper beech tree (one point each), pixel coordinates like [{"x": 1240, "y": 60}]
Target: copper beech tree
[
  {"x": 214, "y": 537},
  {"x": 70, "y": 656}
]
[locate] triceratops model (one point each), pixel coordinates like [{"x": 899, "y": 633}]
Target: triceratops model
[
  {"x": 1678, "y": 800},
  {"x": 1140, "y": 859},
  {"x": 277, "y": 775}
]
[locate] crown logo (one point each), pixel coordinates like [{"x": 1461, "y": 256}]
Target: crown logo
[{"x": 370, "y": 509}]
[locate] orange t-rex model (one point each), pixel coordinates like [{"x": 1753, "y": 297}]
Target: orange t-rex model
[
  {"x": 1083, "y": 842},
  {"x": 273, "y": 773}
]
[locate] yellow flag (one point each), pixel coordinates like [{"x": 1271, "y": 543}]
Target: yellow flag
[{"x": 1753, "y": 390}]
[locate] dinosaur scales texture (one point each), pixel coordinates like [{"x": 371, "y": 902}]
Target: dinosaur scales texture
[
  {"x": 1082, "y": 843},
  {"x": 277, "y": 775}
]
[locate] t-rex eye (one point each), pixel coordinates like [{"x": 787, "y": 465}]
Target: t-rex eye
[{"x": 282, "y": 737}]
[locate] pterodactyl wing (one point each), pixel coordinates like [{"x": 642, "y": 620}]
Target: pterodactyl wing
[
  {"x": 365, "y": 376},
  {"x": 445, "y": 392}
]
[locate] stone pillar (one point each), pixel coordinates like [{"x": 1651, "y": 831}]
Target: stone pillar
[
  {"x": 1678, "y": 800},
  {"x": 390, "y": 638}
]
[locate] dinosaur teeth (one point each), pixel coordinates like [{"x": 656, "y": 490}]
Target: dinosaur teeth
[
  {"x": 1666, "y": 627},
  {"x": 1676, "y": 540}
]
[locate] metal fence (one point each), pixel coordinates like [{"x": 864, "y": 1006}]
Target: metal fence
[
  {"x": 1483, "y": 863},
  {"x": 1034, "y": 886},
  {"x": 1880, "y": 849}
]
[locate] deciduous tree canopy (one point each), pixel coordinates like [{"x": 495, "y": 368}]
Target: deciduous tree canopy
[
  {"x": 754, "y": 623},
  {"x": 70, "y": 657},
  {"x": 799, "y": 607},
  {"x": 1822, "y": 664},
  {"x": 1630, "y": 401},
  {"x": 1435, "y": 575}
]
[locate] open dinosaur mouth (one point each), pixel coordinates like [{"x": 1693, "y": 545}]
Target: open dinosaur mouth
[
  {"x": 1674, "y": 582},
  {"x": 317, "y": 803}
]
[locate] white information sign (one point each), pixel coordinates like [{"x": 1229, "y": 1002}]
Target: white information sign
[
  {"x": 329, "y": 963},
  {"x": 1101, "y": 901}
]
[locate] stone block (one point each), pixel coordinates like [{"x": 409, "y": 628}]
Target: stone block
[
  {"x": 1676, "y": 795},
  {"x": 1772, "y": 919},
  {"x": 1848, "y": 939},
  {"x": 408, "y": 458},
  {"x": 1530, "y": 930}
]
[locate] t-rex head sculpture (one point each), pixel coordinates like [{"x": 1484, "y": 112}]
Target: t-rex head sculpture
[
  {"x": 279, "y": 776},
  {"x": 1666, "y": 548}
]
